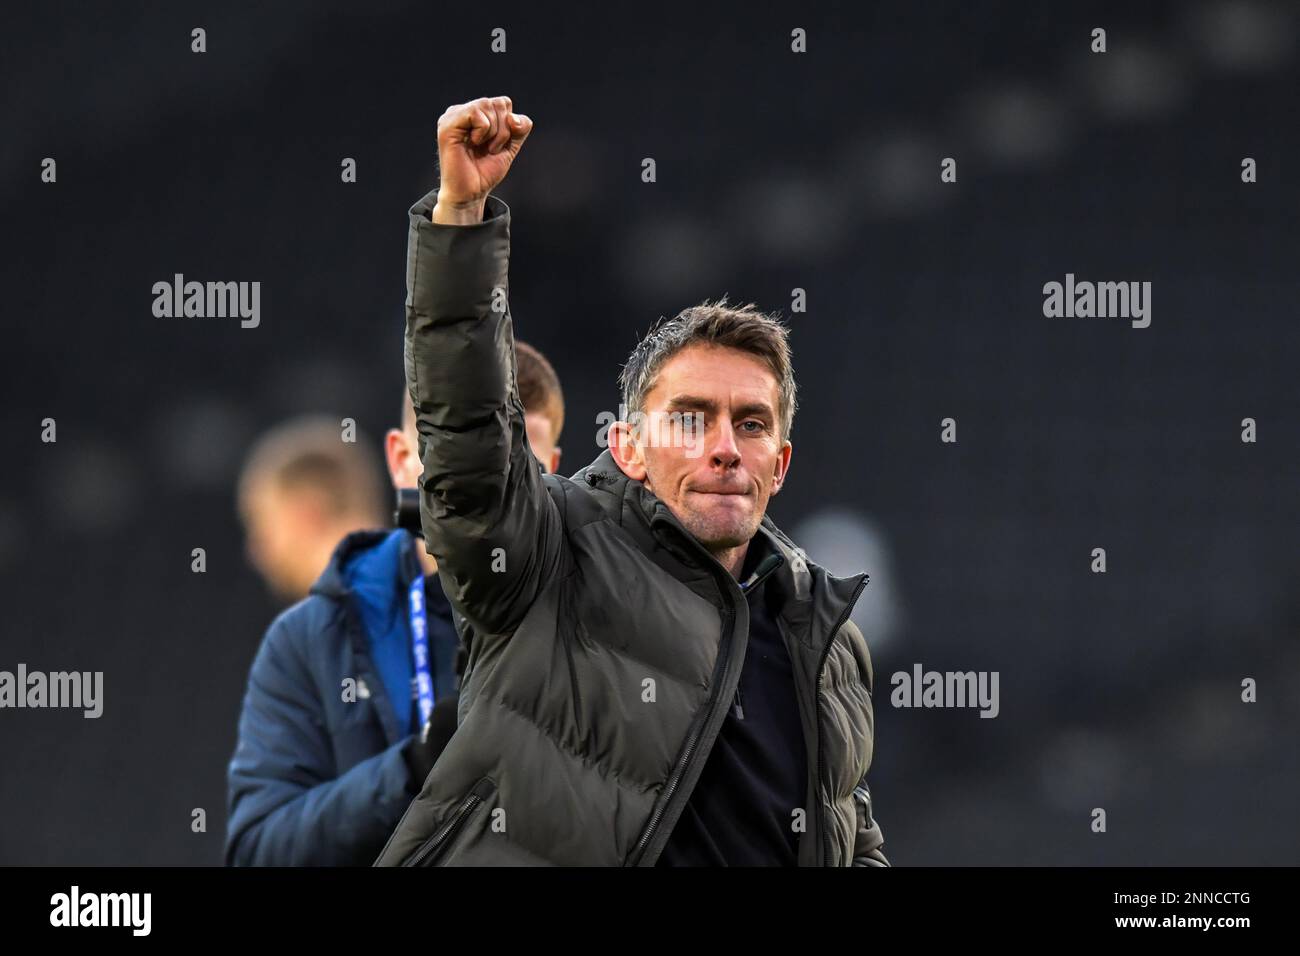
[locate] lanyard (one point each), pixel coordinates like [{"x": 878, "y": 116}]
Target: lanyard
[{"x": 420, "y": 646}]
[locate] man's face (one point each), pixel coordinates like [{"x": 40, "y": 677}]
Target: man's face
[
  {"x": 711, "y": 448},
  {"x": 541, "y": 437},
  {"x": 276, "y": 523}
]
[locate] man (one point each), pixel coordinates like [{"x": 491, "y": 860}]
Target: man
[
  {"x": 329, "y": 755},
  {"x": 303, "y": 488},
  {"x": 658, "y": 674}
]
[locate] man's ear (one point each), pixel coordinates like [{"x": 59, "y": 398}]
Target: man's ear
[
  {"x": 782, "y": 467},
  {"x": 627, "y": 453},
  {"x": 404, "y": 466}
]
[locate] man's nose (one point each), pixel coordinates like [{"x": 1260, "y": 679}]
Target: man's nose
[{"x": 723, "y": 452}]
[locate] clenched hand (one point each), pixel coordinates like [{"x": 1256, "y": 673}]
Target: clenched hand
[{"x": 477, "y": 143}]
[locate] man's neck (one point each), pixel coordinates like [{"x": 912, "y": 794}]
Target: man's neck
[{"x": 733, "y": 559}]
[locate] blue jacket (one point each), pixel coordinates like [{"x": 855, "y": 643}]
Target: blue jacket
[{"x": 316, "y": 780}]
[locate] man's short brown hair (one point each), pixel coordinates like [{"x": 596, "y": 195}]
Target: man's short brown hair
[
  {"x": 539, "y": 390},
  {"x": 741, "y": 327},
  {"x": 539, "y": 387}
]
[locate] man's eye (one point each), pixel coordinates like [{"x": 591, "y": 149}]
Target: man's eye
[{"x": 752, "y": 426}]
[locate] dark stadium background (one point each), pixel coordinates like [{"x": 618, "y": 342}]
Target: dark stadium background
[{"x": 775, "y": 171}]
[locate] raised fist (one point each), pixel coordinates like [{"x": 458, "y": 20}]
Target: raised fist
[{"x": 477, "y": 142}]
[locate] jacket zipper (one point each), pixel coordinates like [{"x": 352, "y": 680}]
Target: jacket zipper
[
  {"x": 817, "y": 706},
  {"x": 724, "y": 657},
  {"x": 724, "y": 666},
  {"x": 441, "y": 838}
]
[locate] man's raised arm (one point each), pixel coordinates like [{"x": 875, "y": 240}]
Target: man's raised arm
[{"x": 485, "y": 513}]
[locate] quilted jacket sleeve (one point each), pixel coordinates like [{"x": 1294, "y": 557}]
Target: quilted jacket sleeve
[{"x": 486, "y": 515}]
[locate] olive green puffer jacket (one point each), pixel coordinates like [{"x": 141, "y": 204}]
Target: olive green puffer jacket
[{"x": 607, "y": 643}]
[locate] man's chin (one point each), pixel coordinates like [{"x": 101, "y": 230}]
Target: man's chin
[{"x": 720, "y": 535}]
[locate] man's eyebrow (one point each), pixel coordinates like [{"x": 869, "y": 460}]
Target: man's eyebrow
[
  {"x": 692, "y": 402},
  {"x": 755, "y": 410}
]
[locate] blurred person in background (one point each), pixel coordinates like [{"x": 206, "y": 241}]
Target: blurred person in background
[
  {"x": 353, "y": 693},
  {"x": 301, "y": 490}
]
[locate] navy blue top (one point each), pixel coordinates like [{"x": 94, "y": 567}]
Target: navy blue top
[{"x": 319, "y": 778}]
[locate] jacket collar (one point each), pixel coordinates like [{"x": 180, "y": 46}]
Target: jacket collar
[{"x": 336, "y": 580}]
